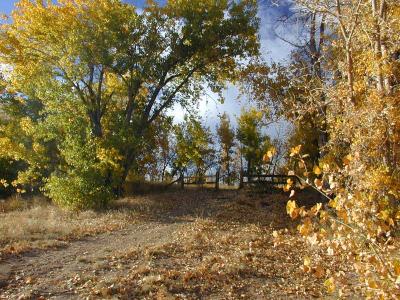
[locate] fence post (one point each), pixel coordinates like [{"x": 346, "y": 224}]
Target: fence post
[
  {"x": 241, "y": 179},
  {"x": 217, "y": 180}
]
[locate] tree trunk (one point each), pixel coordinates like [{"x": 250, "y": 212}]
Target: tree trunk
[
  {"x": 95, "y": 120},
  {"x": 248, "y": 166},
  {"x": 350, "y": 72},
  {"x": 377, "y": 47}
]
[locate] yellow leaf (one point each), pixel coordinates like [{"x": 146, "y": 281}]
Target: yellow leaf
[
  {"x": 307, "y": 261},
  {"x": 396, "y": 265},
  {"x": 318, "y": 183},
  {"x": 317, "y": 170},
  {"x": 294, "y": 214},
  {"x": 302, "y": 211},
  {"x": 330, "y": 285},
  {"x": 372, "y": 283},
  {"x": 271, "y": 152},
  {"x": 323, "y": 215},
  {"x": 275, "y": 234},
  {"x": 332, "y": 203},
  {"x": 291, "y": 209},
  {"x": 347, "y": 159},
  {"x": 4, "y": 183},
  {"x": 305, "y": 228},
  {"x": 290, "y": 206},
  {"x": 316, "y": 208},
  {"x": 384, "y": 215},
  {"x": 295, "y": 150}
]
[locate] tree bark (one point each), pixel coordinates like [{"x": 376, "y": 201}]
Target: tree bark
[{"x": 350, "y": 72}]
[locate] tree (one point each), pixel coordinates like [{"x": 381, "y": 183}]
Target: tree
[
  {"x": 194, "y": 148},
  {"x": 254, "y": 144},
  {"x": 359, "y": 173},
  {"x": 107, "y": 72},
  {"x": 294, "y": 89},
  {"x": 158, "y": 154},
  {"x": 226, "y": 136}
]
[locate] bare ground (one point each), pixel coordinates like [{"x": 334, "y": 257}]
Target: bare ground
[
  {"x": 192, "y": 245},
  {"x": 49, "y": 274}
]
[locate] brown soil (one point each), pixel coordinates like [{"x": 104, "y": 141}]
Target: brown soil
[
  {"x": 51, "y": 274},
  {"x": 196, "y": 244}
]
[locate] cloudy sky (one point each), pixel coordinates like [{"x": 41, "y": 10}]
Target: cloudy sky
[{"x": 273, "y": 49}]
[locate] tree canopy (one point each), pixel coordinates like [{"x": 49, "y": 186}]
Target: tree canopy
[{"x": 101, "y": 73}]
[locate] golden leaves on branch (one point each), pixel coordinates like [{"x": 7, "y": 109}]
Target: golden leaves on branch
[
  {"x": 292, "y": 209},
  {"x": 269, "y": 155},
  {"x": 295, "y": 150},
  {"x": 317, "y": 170}
]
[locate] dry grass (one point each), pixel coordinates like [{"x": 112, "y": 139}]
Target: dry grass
[{"x": 36, "y": 223}]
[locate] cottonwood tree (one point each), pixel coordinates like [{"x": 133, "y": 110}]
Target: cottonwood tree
[
  {"x": 360, "y": 172},
  {"x": 226, "y": 137},
  {"x": 157, "y": 154},
  {"x": 253, "y": 142},
  {"x": 294, "y": 89},
  {"x": 195, "y": 153},
  {"x": 107, "y": 72}
]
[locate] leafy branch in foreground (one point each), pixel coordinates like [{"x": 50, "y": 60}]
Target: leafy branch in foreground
[{"x": 347, "y": 225}]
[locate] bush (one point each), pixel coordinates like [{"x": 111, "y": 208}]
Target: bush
[{"x": 79, "y": 190}]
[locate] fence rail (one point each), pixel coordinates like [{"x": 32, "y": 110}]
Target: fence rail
[
  {"x": 245, "y": 179},
  {"x": 270, "y": 179}
]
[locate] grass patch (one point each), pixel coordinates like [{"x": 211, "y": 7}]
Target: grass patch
[{"x": 37, "y": 224}]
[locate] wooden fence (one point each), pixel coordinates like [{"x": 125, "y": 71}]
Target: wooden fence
[
  {"x": 245, "y": 179},
  {"x": 267, "y": 179},
  {"x": 201, "y": 180}
]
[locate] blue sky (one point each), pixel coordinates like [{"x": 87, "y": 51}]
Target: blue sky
[
  {"x": 273, "y": 49},
  {"x": 6, "y": 6}
]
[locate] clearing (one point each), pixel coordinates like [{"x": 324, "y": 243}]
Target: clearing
[{"x": 192, "y": 244}]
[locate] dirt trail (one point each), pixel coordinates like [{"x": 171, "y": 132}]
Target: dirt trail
[{"x": 50, "y": 273}]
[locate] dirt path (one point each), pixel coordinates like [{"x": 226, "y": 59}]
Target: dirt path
[
  {"x": 53, "y": 273},
  {"x": 197, "y": 245},
  {"x": 50, "y": 273}
]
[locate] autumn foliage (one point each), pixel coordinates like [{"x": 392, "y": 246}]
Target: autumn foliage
[
  {"x": 87, "y": 86},
  {"x": 341, "y": 91}
]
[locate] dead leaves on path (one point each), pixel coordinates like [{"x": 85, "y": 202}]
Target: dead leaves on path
[{"x": 230, "y": 256}]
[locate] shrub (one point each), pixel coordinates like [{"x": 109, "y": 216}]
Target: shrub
[{"x": 79, "y": 190}]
